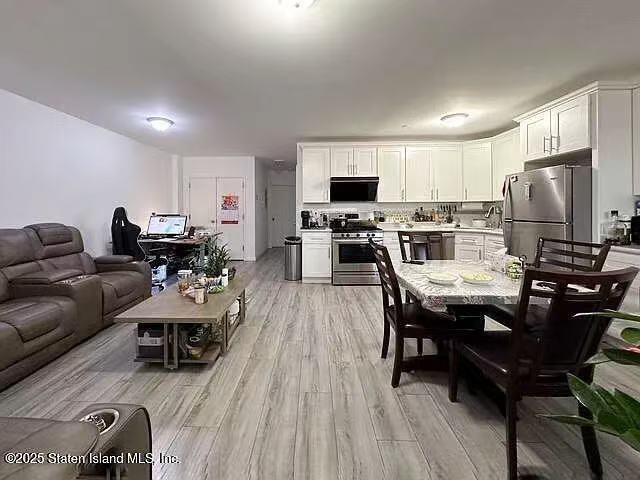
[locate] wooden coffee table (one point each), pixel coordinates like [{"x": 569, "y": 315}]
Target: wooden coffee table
[{"x": 171, "y": 309}]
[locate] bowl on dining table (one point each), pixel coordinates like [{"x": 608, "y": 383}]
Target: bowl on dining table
[
  {"x": 442, "y": 278},
  {"x": 477, "y": 278}
]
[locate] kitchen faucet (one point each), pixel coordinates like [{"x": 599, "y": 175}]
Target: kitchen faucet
[{"x": 494, "y": 210}]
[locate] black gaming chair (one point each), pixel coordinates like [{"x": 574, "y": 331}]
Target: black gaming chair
[{"x": 124, "y": 235}]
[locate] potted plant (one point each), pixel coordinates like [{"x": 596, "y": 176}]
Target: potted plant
[
  {"x": 217, "y": 259},
  {"x": 615, "y": 413}
]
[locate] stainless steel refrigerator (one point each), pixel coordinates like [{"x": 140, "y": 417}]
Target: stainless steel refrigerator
[{"x": 552, "y": 202}]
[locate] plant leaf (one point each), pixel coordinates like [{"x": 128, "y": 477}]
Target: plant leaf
[
  {"x": 598, "y": 358},
  {"x": 631, "y": 335},
  {"x": 612, "y": 314},
  {"x": 570, "y": 419},
  {"x": 631, "y": 406},
  {"x": 613, "y": 405},
  {"x": 586, "y": 395},
  {"x": 609, "y": 422},
  {"x": 624, "y": 357},
  {"x": 632, "y": 438}
]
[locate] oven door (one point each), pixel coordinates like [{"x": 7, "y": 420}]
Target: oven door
[{"x": 355, "y": 255}]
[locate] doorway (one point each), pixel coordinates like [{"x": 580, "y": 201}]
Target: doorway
[
  {"x": 282, "y": 213},
  {"x": 217, "y": 204}
]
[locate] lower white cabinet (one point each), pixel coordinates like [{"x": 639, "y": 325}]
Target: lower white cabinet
[
  {"x": 492, "y": 243},
  {"x": 392, "y": 243},
  {"x": 469, "y": 247},
  {"x": 316, "y": 257}
]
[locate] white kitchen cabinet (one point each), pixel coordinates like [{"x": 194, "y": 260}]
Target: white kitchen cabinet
[
  {"x": 636, "y": 141},
  {"x": 418, "y": 185},
  {"x": 392, "y": 243},
  {"x": 476, "y": 171},
  {"x": 506, "y": 159},
  {"x": 469, "y": 247},
  {"x": 316, "y": 257},
  {"x": 570, "y": 128},
  {"x": 535, "y": 136},
  {"x": 558, "y": 129},
  {"x": 446, "y": 166},
  {"x": 391, "y": 171},
  {"x": 341, "y": 161},
  {"x": 365, "y": 161},
  {"x": 316, "y": 173},
  {"x": 492, "y": 243}
]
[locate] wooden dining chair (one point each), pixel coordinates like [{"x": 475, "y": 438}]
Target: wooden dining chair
[
  {"x": 417, "y": 245},
  {"x": 570, "y": 255},
  {"x": 410, "y": 320},
  {"x": 546, "y": 343}
]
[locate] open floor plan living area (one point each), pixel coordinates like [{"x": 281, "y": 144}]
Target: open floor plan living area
[{"x": 319, "y": 240}]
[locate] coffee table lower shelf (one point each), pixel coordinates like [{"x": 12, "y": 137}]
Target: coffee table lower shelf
[{"x": 208, "y": 357}]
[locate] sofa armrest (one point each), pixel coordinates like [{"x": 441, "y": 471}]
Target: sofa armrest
[
  {"x": 46, "y": 277},
  {"x": 140, "y": 267},
  {"x": 85, "y": 291},
  {"x": 113, "y": 259}
]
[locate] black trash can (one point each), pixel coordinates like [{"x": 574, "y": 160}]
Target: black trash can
[{"x": 293, "y": 258}]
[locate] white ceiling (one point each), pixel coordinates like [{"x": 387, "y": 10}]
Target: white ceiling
[{"x": 246, "y": 77}]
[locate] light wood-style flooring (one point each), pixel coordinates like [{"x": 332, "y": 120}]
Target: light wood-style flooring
[{"x": 304, "y": 394}]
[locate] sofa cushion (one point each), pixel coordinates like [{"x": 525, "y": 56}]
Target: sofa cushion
[
  {"x": 10, "y": 345},
  {"x": 31, "y": 319},
  {"x": 120, "y": 288}
]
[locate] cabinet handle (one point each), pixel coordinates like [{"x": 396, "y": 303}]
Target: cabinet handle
[
  {"x": 357, "y": 169},
  {"x": 466, "y": 194},
  {"x": 432, "y": 194},
  {"x": 551, "y": 143},
  {"x": 544, "y": 145},
  {"x": 402, "y": 194},
  {"x": 437, "y": 193},
  {"x": 329, "y": 253}
]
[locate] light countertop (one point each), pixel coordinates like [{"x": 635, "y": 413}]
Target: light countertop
[{"x": 432, "y": 227}]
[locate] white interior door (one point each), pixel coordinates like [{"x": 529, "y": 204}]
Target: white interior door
[
  {"x": 230, "y": 206},
  {"x": 282, "y": 212},
  {"x": 202, "y": 202}
]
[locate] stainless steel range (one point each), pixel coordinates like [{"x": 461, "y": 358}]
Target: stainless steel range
[{"x": 353, "y": 260}]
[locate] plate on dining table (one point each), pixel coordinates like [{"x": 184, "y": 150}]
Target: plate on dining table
[
  {"x": 477, "y": 278},
  {"x": 442, "y": 278}
]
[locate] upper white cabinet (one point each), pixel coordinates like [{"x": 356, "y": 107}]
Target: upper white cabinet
[
  {"x": 418, "y": 184},
  {"x": 506, "y": 159},
  {"x": 341, "y": 161},
  {"x": 476, "y": 171},
  {"x": 570, "y": 129},
  {"x": 365, "y": 161},
  {"x": 446, "y": 167},
  {"x": 535, "y": 136},
  {"x": 558, "y": 129},
  {"x": 391, "y": 170},
  {"x": 316, "y": 172},
  {"x": 354, "y": 162}
]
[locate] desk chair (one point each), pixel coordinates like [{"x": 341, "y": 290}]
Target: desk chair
[{"x": 124, "y": 235}]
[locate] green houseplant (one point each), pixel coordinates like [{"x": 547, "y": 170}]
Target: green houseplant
[
  {"x": 217, "y": 257},
  {"x": 615, "y": 413}
]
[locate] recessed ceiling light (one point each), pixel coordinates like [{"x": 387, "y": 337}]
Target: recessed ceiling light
[
  {"x": 296, "y": 4},
  {"x": 404, "y": 125},
  {"x": 455, "y": 119},
  {"x": 160, "y": 124}
]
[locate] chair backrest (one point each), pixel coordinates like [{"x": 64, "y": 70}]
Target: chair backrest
[
  {"x": 124, "y": 235},
  {"x": 418, "y": 244},
  {"x": 388, "y": 279},
  {"x": 570, "y": 255},
  {"x": 557, "y": 341}
]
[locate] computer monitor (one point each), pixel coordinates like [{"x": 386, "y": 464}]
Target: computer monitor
[{"x": 167, "y": 225}]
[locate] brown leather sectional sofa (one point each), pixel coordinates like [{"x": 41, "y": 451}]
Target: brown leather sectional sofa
[{"x": 53, "y": 294}]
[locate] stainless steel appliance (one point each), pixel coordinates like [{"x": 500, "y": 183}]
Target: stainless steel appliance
[
  {"x": 353, "y": 260},
  {"x": 354, "y": 189},
  {"x": 306, "y": 216},
  {"x": 553, "y": 202}
]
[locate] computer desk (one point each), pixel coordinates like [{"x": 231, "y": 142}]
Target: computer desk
[{"x": 180, "y": 242}]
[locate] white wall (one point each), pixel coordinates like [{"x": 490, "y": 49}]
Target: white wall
[
  {"x": 241, "y": 167},
  {"x": 261, "y": 214},
  {"x": 57, "y": 168}
]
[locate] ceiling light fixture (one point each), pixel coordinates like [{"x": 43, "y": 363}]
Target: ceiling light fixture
[
  {"x": 160, "y": 124},
  {"x": 296, "y": 4},
  {"x": 455, "y": 119}
]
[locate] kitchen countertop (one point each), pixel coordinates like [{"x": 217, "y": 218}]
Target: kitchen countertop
[
  {"x": 632, "y": 249},
  {"x": 432, "y": 227},
  {"x": 320, "y": 229}
]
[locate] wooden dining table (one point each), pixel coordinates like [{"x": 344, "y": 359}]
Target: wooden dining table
[{"x": 414, "y": 278}]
